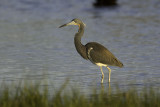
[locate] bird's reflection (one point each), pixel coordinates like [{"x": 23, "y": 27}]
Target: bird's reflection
[{"x": 108, "y": 88}]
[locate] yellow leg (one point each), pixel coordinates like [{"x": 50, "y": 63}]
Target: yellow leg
[
  {"x": 109, "y": 73},
  {"x": 102, "y": 75}
]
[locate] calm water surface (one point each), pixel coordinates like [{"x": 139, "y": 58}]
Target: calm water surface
[{"x": 33, "y": 48}]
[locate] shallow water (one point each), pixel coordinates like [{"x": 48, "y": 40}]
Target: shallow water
[{"x": 33, "y": 48}]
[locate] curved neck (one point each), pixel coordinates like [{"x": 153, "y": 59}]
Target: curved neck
[
  {"x": 81, "y": 29},
  {"x": 77, "y": 41}
]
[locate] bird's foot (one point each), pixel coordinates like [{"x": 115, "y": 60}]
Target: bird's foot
[
  {"x": 101, "y": 81},
  {"x": 102, "y": 78},
  {"x": 109, "y": 80}
]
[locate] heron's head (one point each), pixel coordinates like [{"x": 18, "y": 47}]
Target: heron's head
[{"x": 74, "y": 22}]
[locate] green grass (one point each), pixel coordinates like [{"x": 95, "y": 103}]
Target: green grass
[{"x": 34, "y": 96}]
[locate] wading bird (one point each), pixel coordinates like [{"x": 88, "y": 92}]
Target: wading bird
[{"x": 93, "y": 51}]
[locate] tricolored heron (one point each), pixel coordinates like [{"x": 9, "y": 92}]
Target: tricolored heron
[{"x": 93, "y": 51}]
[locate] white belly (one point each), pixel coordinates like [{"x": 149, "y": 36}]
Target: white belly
[{"x": 100, "y": 64}]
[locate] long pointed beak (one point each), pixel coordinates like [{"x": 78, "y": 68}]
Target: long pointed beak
[
  {"x": 70, "y": 23},
  {"x": 63, "y": 25}
]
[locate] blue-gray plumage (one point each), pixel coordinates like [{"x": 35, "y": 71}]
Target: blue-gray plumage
[{"x": 93, "y": 51}]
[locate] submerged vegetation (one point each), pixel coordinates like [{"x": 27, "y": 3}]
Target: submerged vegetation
[{"x": 35, "y": 96}]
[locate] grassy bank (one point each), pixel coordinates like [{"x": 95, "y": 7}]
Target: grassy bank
[{"x": 33, "y": 96}]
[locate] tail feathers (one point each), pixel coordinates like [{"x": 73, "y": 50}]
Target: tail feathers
[{"x": 119, "y": 63}]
